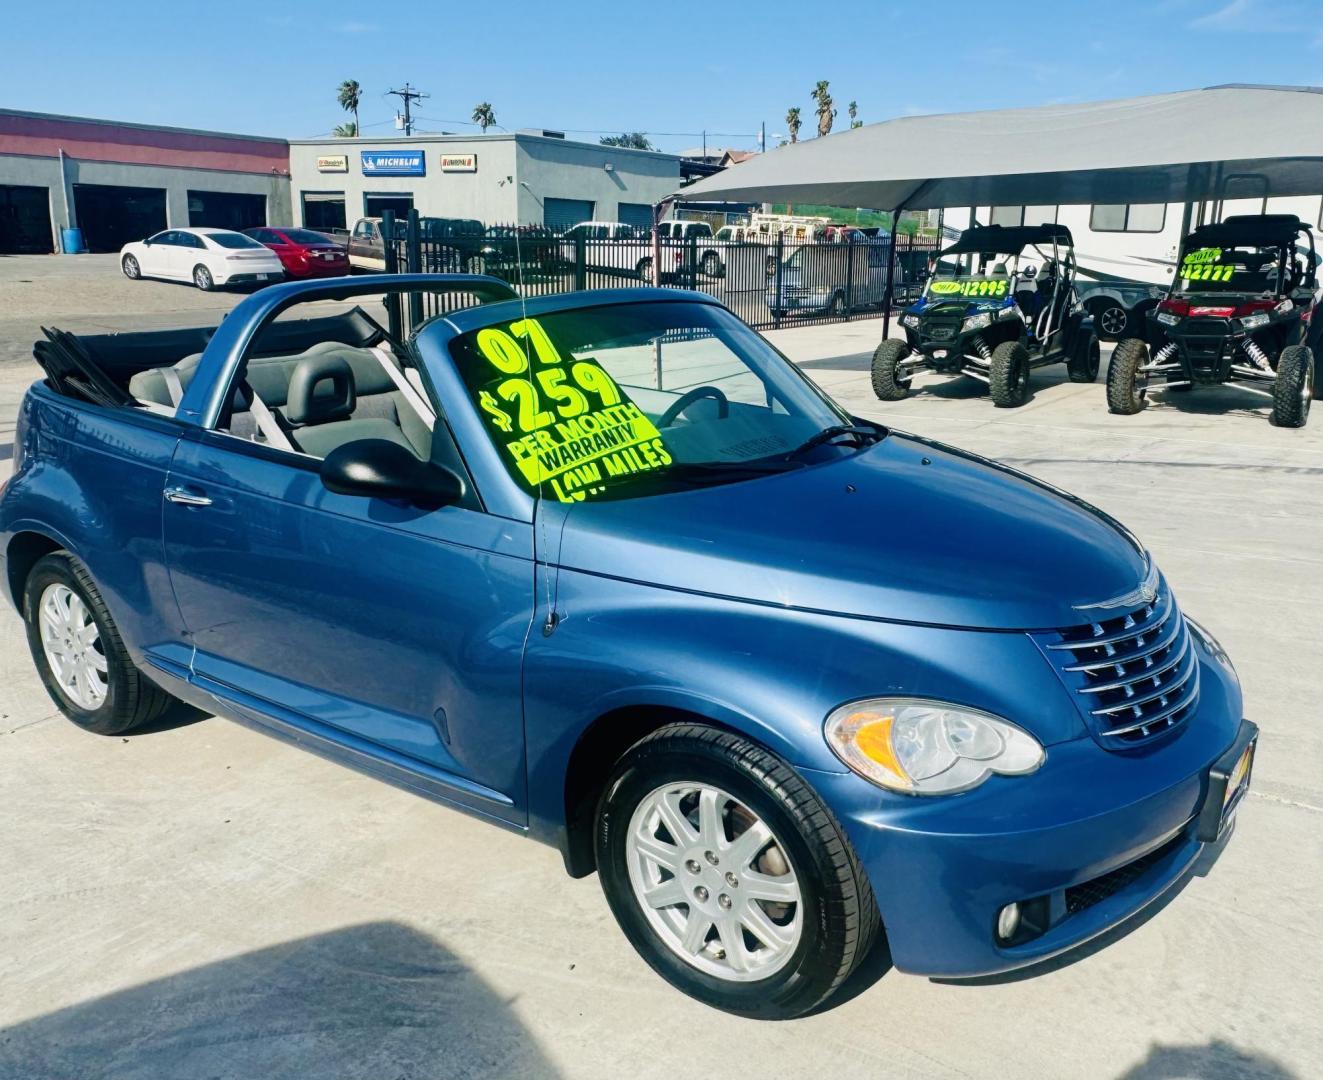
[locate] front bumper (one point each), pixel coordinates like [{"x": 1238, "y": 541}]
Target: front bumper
[{"x": 1091, "y": 838}]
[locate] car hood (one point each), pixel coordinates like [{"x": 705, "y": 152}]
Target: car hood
[{"x": 906, "y": 530}]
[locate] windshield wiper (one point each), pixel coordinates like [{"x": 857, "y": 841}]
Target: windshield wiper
[{"x": 836, "y": 431}]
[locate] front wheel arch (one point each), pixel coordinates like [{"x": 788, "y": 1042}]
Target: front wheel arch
[{"x": 601, "y": 744}]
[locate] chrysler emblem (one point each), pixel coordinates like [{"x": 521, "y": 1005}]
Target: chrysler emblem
[{"x": 1144, "y": 593}]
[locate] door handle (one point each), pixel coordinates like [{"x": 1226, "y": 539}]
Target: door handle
[{"x": 184, "y": 497}]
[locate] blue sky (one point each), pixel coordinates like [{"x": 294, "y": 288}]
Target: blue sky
[{"x": 272, "y": 68}]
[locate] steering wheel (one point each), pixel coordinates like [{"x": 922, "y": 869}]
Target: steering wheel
[{"x": 696, "y": 394}]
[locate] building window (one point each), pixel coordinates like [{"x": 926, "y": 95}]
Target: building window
[
  {"x": 1015, "y": 216},
  {"x": 1128, "y": 217}
]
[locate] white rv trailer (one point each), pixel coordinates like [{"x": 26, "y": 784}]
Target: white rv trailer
[{"x": 1126, "y": 254}]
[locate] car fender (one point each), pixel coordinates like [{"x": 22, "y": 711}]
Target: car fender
[{"x": 764, "y": 671}]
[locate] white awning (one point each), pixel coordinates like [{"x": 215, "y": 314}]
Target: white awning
[{"x": 1226, "y": 142}]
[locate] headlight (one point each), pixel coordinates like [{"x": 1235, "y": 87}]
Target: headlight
[
  {"x": 1210, "y": 643},
  {"x": 1253, "y": 322},
  {"x": 912, "y": 321},
  {"x": 922, "y": 747},
  {"x": 1168, "y": 318},
  {"x": 977, "y": 322}
]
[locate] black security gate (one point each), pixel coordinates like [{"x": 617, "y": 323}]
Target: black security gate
[{"x": 781, "y": 283}]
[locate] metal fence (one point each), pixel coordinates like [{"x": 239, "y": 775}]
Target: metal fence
[{"x": 769, "y": 285}]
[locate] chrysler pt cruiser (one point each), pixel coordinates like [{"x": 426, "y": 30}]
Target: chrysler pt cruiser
[{"x": 608, "y": 570}]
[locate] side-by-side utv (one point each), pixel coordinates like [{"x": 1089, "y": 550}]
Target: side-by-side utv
[
  {"x": 1242, "y": 309},
  {"x": 987, "y": 314}
]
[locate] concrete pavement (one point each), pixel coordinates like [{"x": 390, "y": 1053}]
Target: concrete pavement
[{"x": 204, "y": 901}]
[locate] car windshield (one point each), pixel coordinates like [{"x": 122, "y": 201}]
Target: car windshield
[
  {"x": 633, "y": 399},
  {"x": 232, "y": 240},
  {"x": 1252, "y": 269},
  {"x": 305, "y": 236}
]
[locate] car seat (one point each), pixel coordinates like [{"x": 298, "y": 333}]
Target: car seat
[{"x": 320, "y": 407}]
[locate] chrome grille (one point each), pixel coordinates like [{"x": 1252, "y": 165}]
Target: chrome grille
[{"x": 1136, "y": 674}]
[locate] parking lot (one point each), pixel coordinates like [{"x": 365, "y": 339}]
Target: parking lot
[{"x": 199, "y": 900}]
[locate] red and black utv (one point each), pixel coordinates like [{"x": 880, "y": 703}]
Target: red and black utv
[{"x": 1241, "y": 310}]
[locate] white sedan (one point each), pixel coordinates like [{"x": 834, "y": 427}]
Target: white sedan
[{"x": 206, "y": 257}]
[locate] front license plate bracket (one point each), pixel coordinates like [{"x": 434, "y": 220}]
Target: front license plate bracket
[{"x": 1228, "y": 780}]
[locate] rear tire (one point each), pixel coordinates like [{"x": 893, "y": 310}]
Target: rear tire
[
  {"x": 830, "y": 924},
  {"x": 886, "y": 359},
  {"x": 644, "y": 270},
  {"x": 1293, "y": 389},
  {"x": 1127, "y": 390},
  {"x": 1008, "y": 375},
  {"x": 712, "y": 264},
  {"x": 202, "y": 278},
  {"x": 1083, "y": 366},
  {"x": 65, "y": 615},
  {"x": 1111, "y": 319}
]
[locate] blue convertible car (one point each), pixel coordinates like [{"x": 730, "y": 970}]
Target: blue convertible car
[{"x": 608, "y": 570}]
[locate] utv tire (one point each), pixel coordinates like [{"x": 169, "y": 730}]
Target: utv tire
[
  {"x": 1293, "y": 389},
  {"x": 1126, "y": 389},
  {"x": 674, "y": 782},
  {"x": 1083, "y": 366},
  {"x": 886, "y": 359},
  {"x": 1008, "y": 377},
  {"x": 64, "y": 613}
]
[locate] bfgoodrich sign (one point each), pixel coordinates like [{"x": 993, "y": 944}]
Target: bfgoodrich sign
[
  {"x": 333, "y": 163},
  {"x": 394, "y": 163}
]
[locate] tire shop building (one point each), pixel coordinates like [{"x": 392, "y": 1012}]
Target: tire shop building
[
  {"x": 120, "y": 182},
  {"x": 525, "y": 177}
]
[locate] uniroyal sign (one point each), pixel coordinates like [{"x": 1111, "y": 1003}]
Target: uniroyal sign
[
  {"x": 333, "y": 163},
  {"x": 459, "y": 162}
]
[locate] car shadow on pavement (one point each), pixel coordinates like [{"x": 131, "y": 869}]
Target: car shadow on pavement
[
  {"x": 1213, "y": 1059},
  {"x": 376, "y": 1000},
  {"x": 1199, "y": 868}
]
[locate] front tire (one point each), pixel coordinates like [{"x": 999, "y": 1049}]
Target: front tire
[
  {"x": 131, "y": 269},
  {"x": 887, "y": 384},
  {"x": 644, "y": 270},
  {"x": 729, "y": 875},
  {"x": 712, "y": 264},
  {"x": 79, "y": 654},
  {"x": 1083, "y": 366},
  {"x": 1008, "y": 375},
  {"x": 202, "y": 278},
  {"x": 1127, "y": 389},
  {"x": 1293, "y": 389}
]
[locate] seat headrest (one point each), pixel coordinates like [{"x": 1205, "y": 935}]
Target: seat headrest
[{"x": 321, "y": 389}]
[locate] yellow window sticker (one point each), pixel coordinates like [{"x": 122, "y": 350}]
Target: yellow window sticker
[{"x": 564, "y": 424}]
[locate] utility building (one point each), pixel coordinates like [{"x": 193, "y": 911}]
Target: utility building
[
  {"x": 120, "y": 182},
  {"x": 525, "y": 177}
]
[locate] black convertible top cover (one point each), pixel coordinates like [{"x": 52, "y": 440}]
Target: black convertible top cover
[
  {"x": 1246, "y": 230},
  {"x": 1007, "y": 239}
]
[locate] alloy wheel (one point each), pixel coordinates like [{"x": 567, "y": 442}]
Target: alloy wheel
[
  {"x": 1113, "y": 320},
  {"x": 713, "y": 882},
  {"x": 72, "y": 644}
]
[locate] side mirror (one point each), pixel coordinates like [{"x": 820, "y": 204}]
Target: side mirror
[
  {"x": 147, "y": 241},
  {"x": 375, "y": 468}
]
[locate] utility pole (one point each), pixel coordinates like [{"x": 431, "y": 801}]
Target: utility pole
[
  {"x": 762, "y": 137},
  {"x": 408, "y": 95}
]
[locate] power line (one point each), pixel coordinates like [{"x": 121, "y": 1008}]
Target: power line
[{"x": 408, "y": 95}]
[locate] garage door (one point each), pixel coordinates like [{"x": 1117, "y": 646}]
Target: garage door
[
  {"x": 375, "y": 205},
  {"x": 636, "y": 213},
  {"x": 226, "y": 210},
  {"x": 561, "y": 214},
  {"x": 324, "y": 210},
  {"x": 110, "y": 216},
  {"x": 25, "y": 220}
]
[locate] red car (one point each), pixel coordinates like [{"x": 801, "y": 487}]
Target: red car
[{"x": 303, "y": 253}]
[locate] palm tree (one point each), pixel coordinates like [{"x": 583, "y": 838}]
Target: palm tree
[
  {"x": 826, "y": 114},
  {"x": 349, "y": 95},
  {"x": 853, "y": 110},
  {"x": 793, "y": 123},
  {"x": 484, "y": 116},
  {"x": 345, "y": 131}
]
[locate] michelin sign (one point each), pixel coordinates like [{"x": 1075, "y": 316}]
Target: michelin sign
[{"x": 394, "y": 163}]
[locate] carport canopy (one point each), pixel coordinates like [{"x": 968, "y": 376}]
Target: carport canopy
[{"x": 1224, "y": 142}]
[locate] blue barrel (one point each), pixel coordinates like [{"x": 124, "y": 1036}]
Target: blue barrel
[{"x": 72, "y": 241}]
